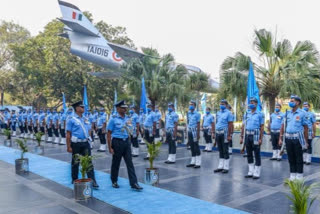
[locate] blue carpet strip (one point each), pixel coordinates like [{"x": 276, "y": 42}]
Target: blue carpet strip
[{"x": 150, "y": 200}]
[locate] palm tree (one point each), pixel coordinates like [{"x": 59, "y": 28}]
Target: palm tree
[{"x": 285, "y": 70}]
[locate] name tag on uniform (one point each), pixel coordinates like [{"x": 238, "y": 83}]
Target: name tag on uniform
[
  {"x": 297, "y": 118},
  {"x": 279, "y": 117}
]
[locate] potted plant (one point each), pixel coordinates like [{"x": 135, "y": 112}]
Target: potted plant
[
  {"x": 301, "y": 196},
  {"x": 39, "y": 149},
  {"x": 7, "y": 141},
  {"x": 22, "y": 164},
  {"x": 152, "y": 174},
  {"x": 83, "y": 186}
]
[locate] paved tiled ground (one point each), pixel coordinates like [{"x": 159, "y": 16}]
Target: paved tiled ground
[{"x": 266, "y": 195}]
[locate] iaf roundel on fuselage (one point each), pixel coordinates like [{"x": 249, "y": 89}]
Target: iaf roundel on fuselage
[{"x": 115, "y": 57}]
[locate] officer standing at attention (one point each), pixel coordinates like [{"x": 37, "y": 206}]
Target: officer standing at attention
[
  {"x": 135, "y": 131},
  {"x": 171, "y": 128},
  {"x": 224, "y": 129},
  {"x": 276, "y": 120},
  {"x": 311, "y": 120},
  {"x": 233, "y": 119},
  {"x": 254, "y": 134},
  {"x": 42, "y": 122},
  {"x": 30, "y": 124},
  {"x": 78, "y": 141},
  {"x": 296, "y": 137},
  {"x": 55, "y": 122},
  {"x": 102, "y": 124},
  {"x": 149, "y": 126},
  {"x": 208, "y": 128},
  {"x": 13, "y": 122},
  {"x": 158, "y": 123},
  {"x": 35, "y": 119},
  {"x": 49, "y": 125},
  {"x": 119, "y": 146},
  {"x": 20, "y": 123},
  {"x": 62, "y": 119},
  {"x": 194, "y": 135},
  {"x": 25, "y": 122}
]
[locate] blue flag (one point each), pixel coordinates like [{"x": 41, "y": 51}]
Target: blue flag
[
  {"x": 64, "y": 105},
  {"x": 175, "y": 104},
  {"x": 204, "y": 103},
  {"x": 114, "y": 102},
  {"x": 252, "y": 88},
  {"x": 143, "y": 99},
  {"x": 85, "y": 99}
]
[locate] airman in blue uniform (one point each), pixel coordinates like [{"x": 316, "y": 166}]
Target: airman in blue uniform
[
  {"x": 224, "y": 128},
  {"x": 171, "y": 128},
  {"x": 158, "y": 123},
  {"x": 253, "y": 122},
  {"x": 35, "y": 121},
  {"x": 296, "y": 137},
  {"x": 25, "y": 122},
  {"x": 30, "y": 123},
  {"x": 208, "y": 127},
  {"x": 21, "y": 123},
  {"x": 14, "y": 120},
  {"x": 119, "y": 146},
  {"x": 276, "y": 120},
  {"x": 149, "y": 126},
  {"x": 78, "y": 141},
  {"x": 233, "y": 119},
  {"x": 101, "y": 125},
  {"x": 62, "y": 124},
  {"x": 49, "y": 124},
  {"x": 141, "y": 122},
  {"x": 55, "y": 123},
  {"x": 42, "y": 123},
  {"x": 134, "y": 132},
  {"x": 311, "y": 120},
  {"x": 194, "y": 135}
]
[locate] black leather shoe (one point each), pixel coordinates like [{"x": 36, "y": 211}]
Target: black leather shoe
[
  {"x": 95, "y": 185},
  {"x": 190, "y": 165},
  {"x": 245, "y": 156},
  {"x": 209, "y": 150},
  {"x": 197, "y": 166},
  {"x": 146, "y": 158},
  {"x": 136, "y": 187},
  {"x": 217, "y": 170},
  {"x": 248, "y": 176},
  {"x": 255, "y": 177},
  {"x": 101, "y": 150},
  {"x": 169, "y": 162},
  {"x": 279, "y": 159},
  {"x": 135, "y": 156},
  {"x": 115, "y": 185},
  {"x": 225, "y": 171},
  {"x": 307, "y": 163},
  {"x": 273, "y": 158}
]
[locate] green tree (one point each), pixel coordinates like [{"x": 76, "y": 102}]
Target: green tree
[{"x": 285, "y": 70}]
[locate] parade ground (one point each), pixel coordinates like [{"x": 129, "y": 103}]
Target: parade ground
[{"x": 47, "y": 187}]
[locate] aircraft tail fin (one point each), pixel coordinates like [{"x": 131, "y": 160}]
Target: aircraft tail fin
[{"x": 74, "y": 19}]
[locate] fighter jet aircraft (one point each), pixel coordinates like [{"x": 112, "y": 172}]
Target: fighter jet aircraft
[{"x": 89, "y": 44}]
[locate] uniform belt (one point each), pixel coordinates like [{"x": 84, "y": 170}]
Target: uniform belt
[
  {"x": 123, "y": 139},
  {"x": 220, "y": 131},
  {"x": 207, "y": 127},
  {"x": 250, "y": 132},
  {"x": 292, "y": 135},
  {"x": 80, "y": 141},
  {"x": 275, "y": 130}
]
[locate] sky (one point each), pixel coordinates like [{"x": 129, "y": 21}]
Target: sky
[{"x": 200, "y": 33}]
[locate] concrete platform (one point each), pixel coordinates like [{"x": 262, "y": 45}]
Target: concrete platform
[{"x": 36, "y": 194}]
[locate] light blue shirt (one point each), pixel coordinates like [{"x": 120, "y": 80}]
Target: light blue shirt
[
  {"x": 223, "y": 119},
  {"x": 193, "y": 119},
  {"x": 101, "y": 120},
  {"x": 310, "y": 119},
  {"x": 116, "y": 126},
  {"x": 150, "y": 119},
  {"x": 55, "y": 118},
  {"x": 141, "y": 118},
  {"x": 158, "y": 115},
  {"x": 134, "y": 119},
  {"x": 41, "y": 118},
  {"x": 14, "y": 118},
  {"x": 295, "y": 121},
  {"x": 208, "y": 119},
  {"x": 171, "y": 119},
  {"x": 29, "y": 117},
  {"x": 77, "y": 130},
  {"x": 49, "y": 119},
  {"x": 277, "y": 119},
  {"x": 35, "y": 118},
  {"x": 254, "y": 120}
]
